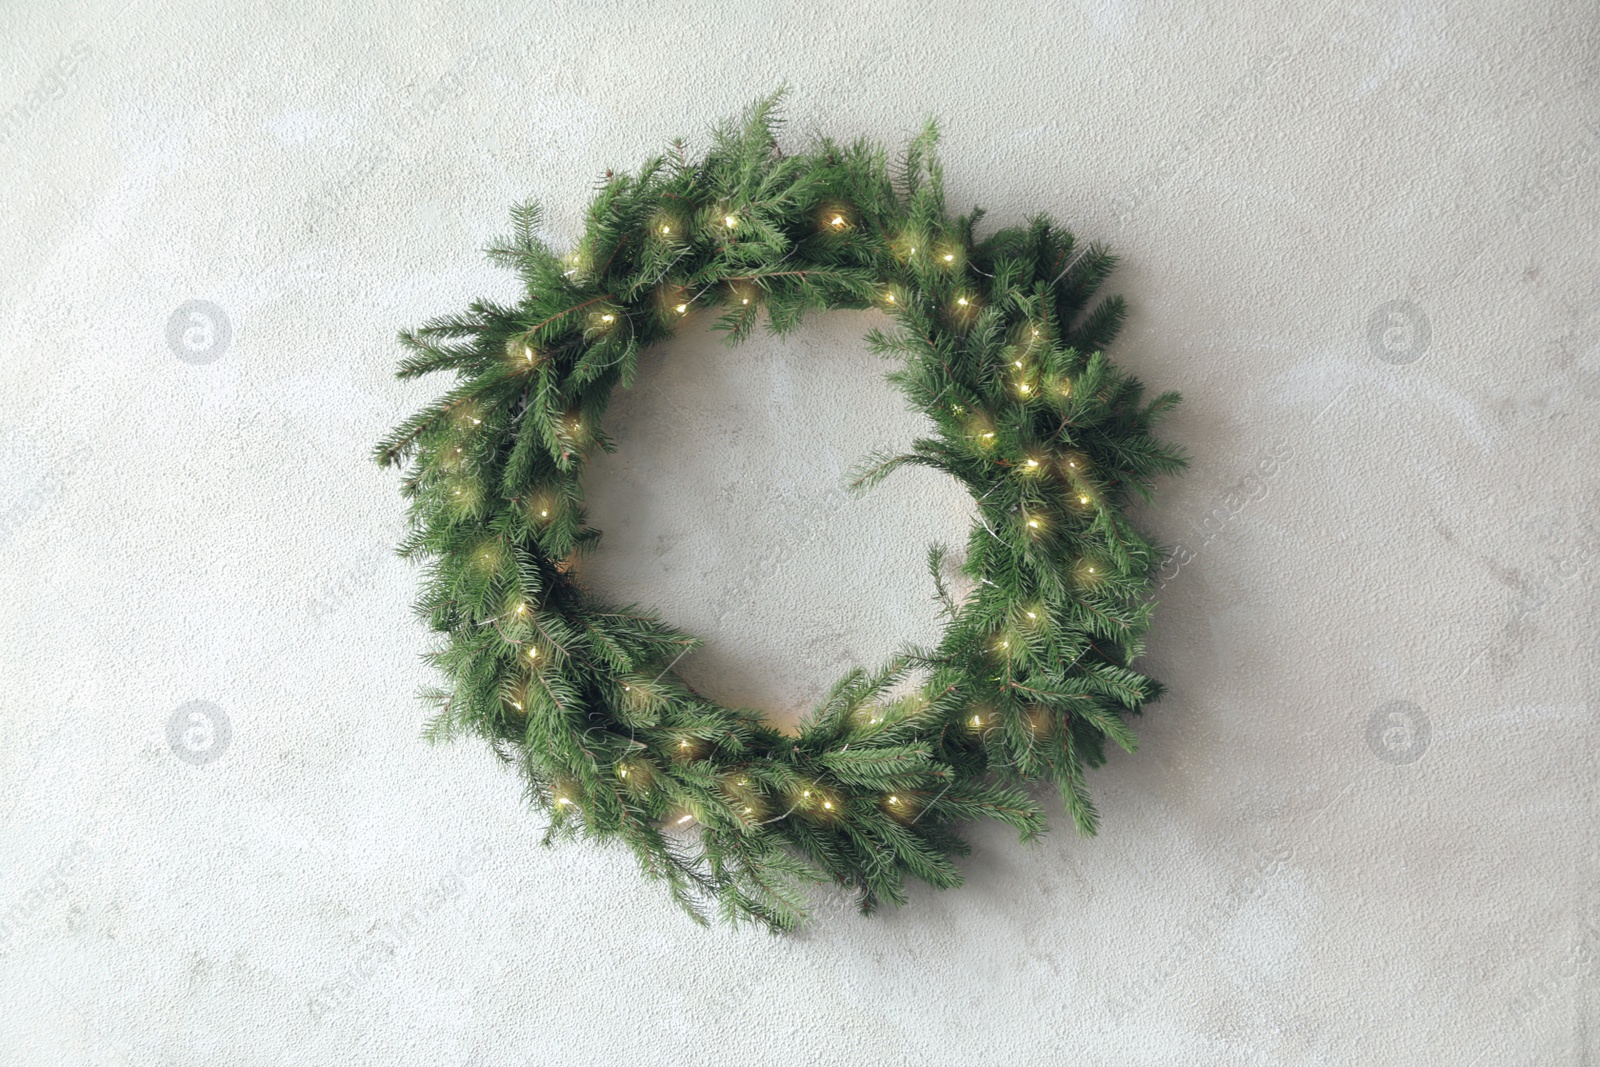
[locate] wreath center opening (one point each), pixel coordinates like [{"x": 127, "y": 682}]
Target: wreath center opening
[{"x": 726, "y": 508}]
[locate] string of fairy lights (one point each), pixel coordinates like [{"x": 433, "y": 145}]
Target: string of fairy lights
[{"x": 811, "y": 797}]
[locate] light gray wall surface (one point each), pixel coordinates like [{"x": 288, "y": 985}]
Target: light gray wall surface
[{"x": 1362, "y": 828}]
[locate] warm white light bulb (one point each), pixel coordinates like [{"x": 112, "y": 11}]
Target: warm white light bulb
[
  {"x": 746, "y": 300},
  {"x": 666, "y": 229},
  {"x": 1031, "y": 615},
  {"x": 889, "y": 297},
  {"x": 544, "y": 514},
  {"x": 962, "y": 301},
  {"x": 533, "y": 653},
  {"x": 977, "y": 720},
  {"x": 1023, "y": 387},
  {"x": 1083, "y": 500},
  {"x": 730, "y": 221},
  {"x": 838, "y": 220},
  {"x": 527, "y": 350},
  {"x": 894, "y": 800},
  {"x": 828, "y": 804},
  {"x": 682, "y": 309},
  {"x": 608, "y": 318},
  {"x": 949, "y": 257},
  {"x": 685, "y": 819},
  {"x": 1033, "y": 524}
]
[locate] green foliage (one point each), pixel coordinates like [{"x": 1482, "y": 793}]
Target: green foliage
[{"x": 999, "y": 340}]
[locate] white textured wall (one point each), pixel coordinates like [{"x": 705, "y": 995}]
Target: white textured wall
[{"x": 1363, "y": 827}]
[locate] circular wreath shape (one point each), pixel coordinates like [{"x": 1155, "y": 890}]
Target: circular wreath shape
[{"x": 999, "y": 341}]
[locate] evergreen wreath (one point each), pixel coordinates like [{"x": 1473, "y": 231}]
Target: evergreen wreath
[{"x": 994, "y": 339}]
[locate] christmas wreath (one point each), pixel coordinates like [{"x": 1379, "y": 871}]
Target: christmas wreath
[{"x": 998, "y": 340}]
